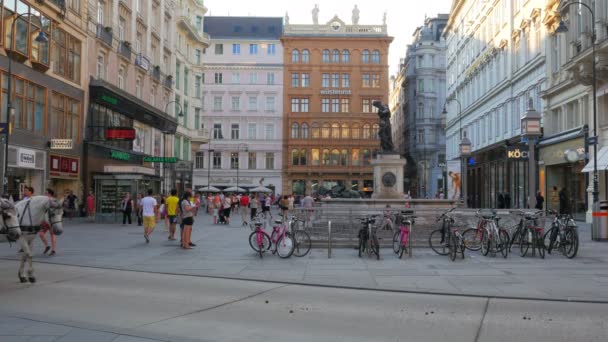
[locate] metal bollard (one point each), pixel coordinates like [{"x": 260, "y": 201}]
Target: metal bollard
[{"x": 329, "y": 240}]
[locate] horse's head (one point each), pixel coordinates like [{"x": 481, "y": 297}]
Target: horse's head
[
  {"x": 10, "y": 221},
  {"x": 55, "y": 213}
]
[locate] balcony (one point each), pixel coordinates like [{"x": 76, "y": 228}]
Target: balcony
[
  {"x": 168, "y": 81},
  {"x": 104, "y": 33},
  {"x": 200, "y": 135},
  {"x": 185, "y": 23},
  {"x": 125, "y": 50},
  {"x": 142, "y": 62},
  {"x": 156, "y": 73}
]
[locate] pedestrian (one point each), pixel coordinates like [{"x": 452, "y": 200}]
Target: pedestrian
[
  {"x": 71, "y": 199},
  {"x": 244, "y": 207},
  {"x": 138, "y": 209},
  {"x": 217, "y": 207},
  {"x": 90, "y": 206},
  {"x": 540, "y": 200},
  {"x": 187, "y": 210},
  {"x": 197, "y": 203},
  {"x": 564, "y": 202},
  {"x": 254, "y": 204},
  {"x": 127, "y": 208},
  {"x": 149, "y": 213},
  {"x": 46, "y": 227},
  {"x": 227, "y": 209},
  {"x": 284, "y": 205},
  {"x": 171, "y": 206},
  {"x": 163, "y": 212},
  {"x": 307, "y": 203}
]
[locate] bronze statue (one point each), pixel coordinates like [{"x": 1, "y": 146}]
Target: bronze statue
[{"x": 386, "y": 139}]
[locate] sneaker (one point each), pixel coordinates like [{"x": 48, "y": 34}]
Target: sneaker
[
  {"x": 147, "y": 238},
  {"x": 47, "y": 249},
  {"x": 52, "y": 253},
  {"x": 192, "y": 245}
]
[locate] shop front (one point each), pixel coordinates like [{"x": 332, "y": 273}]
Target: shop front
[
  {"x": 561, "y": 163},
  {"x": 64, "y": 174},
  {"x": 26, "y": 167}
]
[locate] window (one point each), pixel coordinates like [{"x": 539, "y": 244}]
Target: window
[
  {"x": 295, "y": 80},
  {"x": 376, "y": 57},
  {"x": 197, "y": 56},
  {"x": 253, "y": 78},
  {"x": 252, "y": 131},
  {"x": 303, "y": 157},
  {"x": 316, "y": 133},
  {"x": 304, "y": 131},
  {"x": 153, "y": 96},
  {"x": 253, "y": 49},
  {"x": 356, "y": 131},
  {"x": 314, "y": 154},
  {"x": 270, "y": 78},
  {"x": 325, "y": 130},
  {"x": 269, "y": 133},
  {"x": 344, "y": 158},
  {"x": 178, "y": 79},
  {"x": 367, "y": 131},
  {"x": 186, "y": 74},
  {"x": 365, "y": 56},
  {"x": 325, "y": 80},
  {"x": 197, "y": 118},
  {"x": 325, "y": 157},
  {"x": 295, "y": 105},
  {"x": 66, "y": 55},
  {"x": 199, "y": 160},
  {"x": 335, "y": 131},
  {"x": 294, "y": 130},
  {"x": 365, "y": 80},
  {"x": 345, "y": 105},
  {"x": 199, "y": 23},
  {"x": 100, "y": 12},
  {"x": 375, "y": 81},
  {"x": 335, "y": 105},
  {"x": 234, "y": 160},
  {"x": 269, "y": 161},
  {"x": 295, "y": 157},
  {"x": 101, "y": 66},
  {"x": 236, "y": 103},
  {"x": 219, "y": 49},
  {"x": 335, "y": 80},
  {"x": 420, "y": 110},
  {"x": 217, "y": 103},
  {"x": 421, "y": 86},
  {"x": 295, "y": 56},
  {"x": 74, "y": 5},
  {"x": 121, "y": 28},
  {"x": 366, "y": 107},
  {"x": 236, "y": 49},
  {"x": 325, "y": 105},
  {"x": 218, "y": 78},
  {"x": 236, "y": 78},
  {"x": 345, "y": 131},
  {"x": 197, "y": 86},
  {"x": 217, "y": 160},
  {"x": 138, "y": 87},
  {"x": 335, "y": 56},
  {"x": 345, "y": 56},
  {"x": 375, "y": 131},
  {"x": 251, "y": 161},
  {"x": 217, "y": 131},
  {"x": 345, "y": 80},
  {"x": 367, "y": 157},
  {"x": 305, "y": 56},
  {"x": 305, "y": 80},
  {"x": 64, "y": 118},
  {"x": 335, "y": 157},
  {"x": 304, "y": 105},
  {"x": 121, "y": 77},
  {"x": 269, "y": 104},
  {"x": 138, "y": 42},
  {"x": 271, "y": 49},
  {"x": 253, "y": 103},
  {"x": 325, "y": 56},
  {"x": 234, "y": 131},
  {"x": 355, "y": 157}
]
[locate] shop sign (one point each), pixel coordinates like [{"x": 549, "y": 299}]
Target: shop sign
[
  {"x": 129, "y": 169},
  {"x": 517, "y": 153},
  {"x": 160, "y": 159},
  {"x": 64, "y": 167},
  {"x": 61, "y": 144},
  {"x": 120, "y": 133},
  {"x": 26, "y": 158},
  {"x": 336, "y": 92},
  {"x": 109, "y": 99},
  {"x": 119, "y": 155},
  {"x": 183, "y": 165}
]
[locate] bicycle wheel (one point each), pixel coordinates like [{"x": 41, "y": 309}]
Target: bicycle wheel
[
  {"x": 524, "y": 242},
  {"x": 362, "y": 243},
  {"x": 503, "y": 237},
  {"x": 302, "y": 243},
  {"x": 485, "y": 243},
  {"x": 472, "y": 239},
  {"x": 461, "y": 246},
  {"x": 375, "y": 246},
  {"x": 439, "y": 247},
  {"x": 285, "y": 246},
  {"x": 515, "y": 238},
  {"x": 397, "y": 242},
  {"x": 539, "y": 244},
  {"x": 454, "y": 249},
  {"x": 274, "y": 239},
  {"x": 570, "y": 243},
  {"x": 253, "y": 242},
  {"x": 549, "y": 239}
]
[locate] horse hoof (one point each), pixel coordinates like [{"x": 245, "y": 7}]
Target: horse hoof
[
  {"x": 23, "y": 279},
  {"x": 32, "y": 280}
]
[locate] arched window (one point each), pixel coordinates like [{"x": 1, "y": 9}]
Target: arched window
[
  {"x": 356, "y": 131},
  {"x": 375, "y": 129},
  {"x": 325, "y": 131},
  {"x": 367, "y": 157},
  {"x": 367, "y": 132},
  {"x": 304, "y": 131},
  {"x": 345, "y": 56},
  {"x": 335, "y": 56},
  {"x": 345, "y": 131},
  {"x": 335, "y": 131},
  {"x": 326, "y": 56},
  {"x": 316, "y": 134},
  {"x": 344, "y": 158},
  {"x": 294, "y": 130},
  {"x": 365, "y": 56},
  {"x": 294, "y": 157},
  {"x": 325, "y": 157},
  {"x": 376, "y": 57},
  {"x": 295, "y": 56},
  {"x": 303, "y": 157},
  {"x": 335, "y": 157},
  {"x": 305, "y": 56}
]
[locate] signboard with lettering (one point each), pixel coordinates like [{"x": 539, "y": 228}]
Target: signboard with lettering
[
  {"x": 520, "y": 153},
  {"x": 119, "y": 155},
  {"x": 61, "y": 144},
  {"x": 26, "y": 158},
  {"x": 336, "y": 92},
  {"x": 109, "y": 99},
  {"x": 64, "y": 167},
  {"x": 120, "y": 133},
  {"x": 160, "y": 159}
]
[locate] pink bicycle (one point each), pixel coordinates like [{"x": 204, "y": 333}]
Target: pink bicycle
[
  {"x": 402, "y": 238},
  {"x": 281, "y": 239},
  {"x": 259, "y": 239}
]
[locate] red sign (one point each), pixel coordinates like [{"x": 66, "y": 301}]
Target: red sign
[
  {"x": 120, "y": 133},
  {"x": 64, "y": 167}
]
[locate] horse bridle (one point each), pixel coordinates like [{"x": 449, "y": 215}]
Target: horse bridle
[{"x": 51, "y": 223}]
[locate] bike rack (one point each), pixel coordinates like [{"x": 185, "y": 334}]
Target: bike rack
[{"x": 329, "y": 240}]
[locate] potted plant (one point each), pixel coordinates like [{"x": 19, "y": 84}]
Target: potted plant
[
  {"x": 108, "y": 29},
  {"x": 127, "y": 44}
]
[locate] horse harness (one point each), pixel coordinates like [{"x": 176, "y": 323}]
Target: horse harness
[{"x": 33, "y": 229}]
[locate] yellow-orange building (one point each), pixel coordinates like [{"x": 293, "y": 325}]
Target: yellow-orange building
[{"x": 332, "y": 73}]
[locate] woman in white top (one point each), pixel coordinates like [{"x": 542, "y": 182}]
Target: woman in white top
[{"x": 227, "y": 209}]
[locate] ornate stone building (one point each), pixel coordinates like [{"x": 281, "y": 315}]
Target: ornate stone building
[{"x": 333, "y": 72}]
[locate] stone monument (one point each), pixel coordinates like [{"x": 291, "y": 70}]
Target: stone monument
[{"x": 388, "y": 165}]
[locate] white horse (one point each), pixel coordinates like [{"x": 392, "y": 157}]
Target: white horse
[
  {"x": 9, "y": 223},
  {"x": 32, "y": 214}
]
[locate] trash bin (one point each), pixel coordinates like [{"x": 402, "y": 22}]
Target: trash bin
[{"x": 599, "y": 227}]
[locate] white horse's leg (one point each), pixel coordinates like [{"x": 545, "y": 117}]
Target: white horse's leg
[
  {"x": 30, "y": 258},
  {"x": 25, "y": 251}
]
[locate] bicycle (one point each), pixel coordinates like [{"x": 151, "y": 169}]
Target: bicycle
[
  {"x": 563, "y": 235},
  {"x": 520, "y": 227},
  {"x": 281, "y": 239},
  {"x": 259, "y": 240},
  {"x": 301, "y": 239},
  {"x": 437, "y": 239},
  {"x": 402, "y": 238},
  {"x": 368, "y": 241},
  {"x": 493, "y": 238},
  {"x": 456, "y": 243},
  {"x": 532, "y": 236}
]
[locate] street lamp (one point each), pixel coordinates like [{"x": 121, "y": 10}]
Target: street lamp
[
  {"x": 238, "y": 162},
  {"x": 179, "y": 114},
  {"x": 10, "y": 111},
  {"x": 464, "y": 151},
  {"x": 562, "y": 28},
  {"x": 530, "y": 131}
]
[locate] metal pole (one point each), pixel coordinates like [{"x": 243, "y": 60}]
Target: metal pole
[
  {"x": 209, "y": 167},
  {"x": 463, "y": 191},
  {"x": 596, "y": 189},
  {"x": 238, "y": 165},
  {"x": 329, "y": 240},
  {"x": 532, "y": 174}
]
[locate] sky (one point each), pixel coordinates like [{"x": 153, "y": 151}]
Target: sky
[{"x": 403, "y": 16}]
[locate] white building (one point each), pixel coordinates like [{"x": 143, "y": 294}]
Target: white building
[
  {"x": 495, "y": 63},
  {"x": 242, "y": 103}
]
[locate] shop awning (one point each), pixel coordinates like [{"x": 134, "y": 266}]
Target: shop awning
[{"x": 602, "y": 161}]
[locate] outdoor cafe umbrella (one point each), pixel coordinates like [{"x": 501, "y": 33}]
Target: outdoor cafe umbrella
[
  {"x": 260, "y": 189},
  {"x": 209, "y": 189},
  {"x": 234, "y": 189}
]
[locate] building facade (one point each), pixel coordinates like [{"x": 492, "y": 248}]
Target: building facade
[
  {"x": 421, "y": 137},
  {"x": 242, "y": 104},
  {"x": 129, "y": 123},
  {"x": 495, "y": 63},
  {"x": 333, "y": 73},
  {"x": 47, "y": 75}
]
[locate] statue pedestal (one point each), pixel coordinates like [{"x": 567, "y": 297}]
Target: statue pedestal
[{"x": 388, "y": 176}]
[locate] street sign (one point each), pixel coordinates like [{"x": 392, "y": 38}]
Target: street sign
[
  {"x": 183, "y": 166},
  {"x": 61, "y": 144},
  {"x": 4, "y": 128},
  {"x": 592, "y": 140},
  {"x": 160, "y": 159}
]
